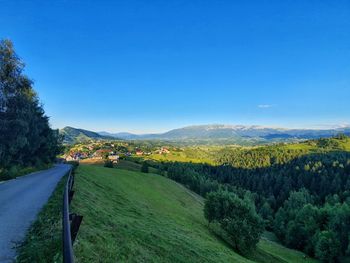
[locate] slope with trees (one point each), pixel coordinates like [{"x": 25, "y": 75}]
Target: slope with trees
[{"x": 301, "y": 193}]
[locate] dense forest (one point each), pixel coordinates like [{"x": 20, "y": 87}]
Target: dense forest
[
  {"x": 301, "y": 195},
  {"x": 26, "y": 139}
]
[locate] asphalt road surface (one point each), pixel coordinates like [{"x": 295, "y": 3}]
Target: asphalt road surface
[{"x": 20, "y": 201}]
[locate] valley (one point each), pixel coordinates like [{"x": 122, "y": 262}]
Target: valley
[
  {"x": 174, "y": 131},
  {"x": 154, "y": 198}
]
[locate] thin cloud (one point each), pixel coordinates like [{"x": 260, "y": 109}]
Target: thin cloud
[{"x": 265, "y": 106}]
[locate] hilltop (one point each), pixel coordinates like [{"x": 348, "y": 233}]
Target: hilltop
[{"x": 74, "y": 135}]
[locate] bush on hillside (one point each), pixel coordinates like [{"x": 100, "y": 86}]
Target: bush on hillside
[
  {"x": 108, "y": 163},
  {"x": 240, "y": 224},
  {"x": 145, "y": 167}
]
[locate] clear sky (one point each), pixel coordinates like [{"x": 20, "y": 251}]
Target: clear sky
[{"x": 148, "y": 66}]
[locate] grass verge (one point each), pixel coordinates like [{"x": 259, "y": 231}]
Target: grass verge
[
  {"x": 43, "y": 242},
  {"x": 17, "y": 172}
]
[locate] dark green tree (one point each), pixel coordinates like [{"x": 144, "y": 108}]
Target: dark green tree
[
  {"x": 144, "y": 167},
  {"x": 266, "y": 213},
  {"x": 108, "y": 163},
  {"x": 237, "y": 217},
  {"x": 26, "y": 138},
  {"x": 327, "y": 246}
]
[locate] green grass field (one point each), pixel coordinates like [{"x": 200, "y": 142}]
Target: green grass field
[
  {"x": 136, "y": 217},
  {"x": 195, "y": 154},
  {"x": 269, "y": 245}
]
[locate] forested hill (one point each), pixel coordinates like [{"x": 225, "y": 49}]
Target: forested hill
[
  {"x": 74, "y": 135},
  {"x": 301, "y": 191}
]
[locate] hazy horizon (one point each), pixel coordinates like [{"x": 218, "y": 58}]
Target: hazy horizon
[{"x": 111, "y": 130}]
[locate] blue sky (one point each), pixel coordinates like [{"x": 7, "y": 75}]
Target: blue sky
[{"x": 149, "y": 66}]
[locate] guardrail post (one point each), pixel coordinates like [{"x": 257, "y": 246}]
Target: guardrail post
[
  {"x": 75, "y": 225},
  {"x": 71, "y": 194}
]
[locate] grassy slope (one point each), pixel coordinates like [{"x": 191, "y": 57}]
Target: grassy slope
[
  {"x": 135, "y": 217},
  {"x": 270, "y": 245}
]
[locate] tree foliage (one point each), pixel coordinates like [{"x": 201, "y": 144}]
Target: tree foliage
[
  {"x": 327, "y": 246},
  {"x": 26, "y": 138},
  {"x": 144, "y": 167},
  {"x": 108, "y": 163},
  {"x": 237, "y": 217}
]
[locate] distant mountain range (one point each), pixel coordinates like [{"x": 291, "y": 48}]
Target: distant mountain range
[
  {"x": 219, "y": 131},
  {"x": 121, "y": 135},
  {"x": 235, "y": 134}
]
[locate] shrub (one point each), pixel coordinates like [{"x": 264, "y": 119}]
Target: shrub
[
  {"x": 237, "y": 218},
  {"x": 144, "y": 167},
  {"x": 327, "y": 246},
  {"x": 108, "y": 164}
]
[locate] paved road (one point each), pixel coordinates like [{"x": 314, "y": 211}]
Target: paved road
[{"x": 20, "y": 201}]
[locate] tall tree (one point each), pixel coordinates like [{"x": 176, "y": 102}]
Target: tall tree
[
  {"x": 237, "y": 217},
  {"x": 26, "y": 138},
  {"x": 327, "y": 246}
]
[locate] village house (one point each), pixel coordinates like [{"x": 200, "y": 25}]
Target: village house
[
  {"x": 163, "y": 150},
  {"x": 73, "y": 157},
  {"x": 113, "y": 158},
  {"x": 83, "y": 155},
  {"x": 69, "y": 158},
  {"x": 99, "y": 154},
  {"x": 139, "y": 152}
]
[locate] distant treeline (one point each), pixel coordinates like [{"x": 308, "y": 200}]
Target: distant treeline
[
  {"x": 26, "y": 139},
  {"x": 303, "y": 197}
]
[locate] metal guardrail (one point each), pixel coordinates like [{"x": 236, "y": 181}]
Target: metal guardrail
[{"x": 70, "y": 221}]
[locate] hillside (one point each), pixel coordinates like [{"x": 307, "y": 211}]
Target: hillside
[
  {"x": 234, "y": 134},
  {"x": 74, "y": 135},
  {"x": 135, "y": 217}
]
